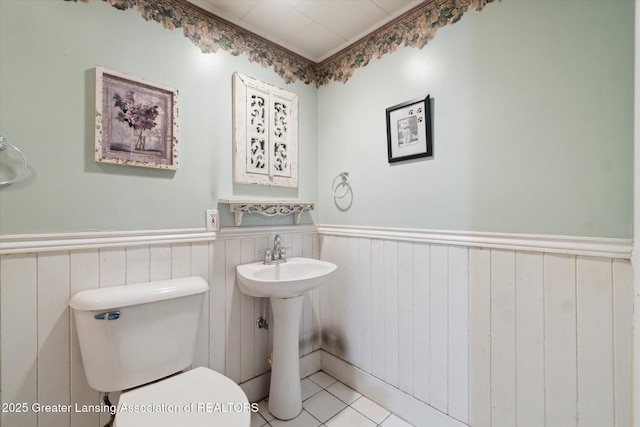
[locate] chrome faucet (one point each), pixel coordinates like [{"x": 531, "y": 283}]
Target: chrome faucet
[
  {"x": 277, "y": 248},
  {"x": 277, "y": 255}
]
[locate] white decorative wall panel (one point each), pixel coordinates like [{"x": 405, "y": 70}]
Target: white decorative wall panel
[{"x": 265, "y": 133}]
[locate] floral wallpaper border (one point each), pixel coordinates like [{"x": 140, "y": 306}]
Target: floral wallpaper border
[
  {"x": 210, "y": 33},
  {"x": 412, "y": 30}
]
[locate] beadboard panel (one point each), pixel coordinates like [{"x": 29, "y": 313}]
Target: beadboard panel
[
  {"x": 413, "y": 335},
  {"x": 40, "y": 357},
  {"x": 19, "y": 276},
  {"x": 492, "y": 337}
]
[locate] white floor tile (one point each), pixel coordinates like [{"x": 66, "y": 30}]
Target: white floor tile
[
  {"x": 323, "y": 379},
  {"x": 323, "y": 405},
  {"x": 303, "y": 420},
  {"x": 328, "y": 401},
  {"x": 370, "y": 409},
  {"x": 395, "y": 421},
  {"x": 257, "y": 420},
  {"x": 349, "y": 417},
  {"x": 344, "y": 393},
  {"x": 263, "y": 409},
  {"x": 309, "y": 388}
]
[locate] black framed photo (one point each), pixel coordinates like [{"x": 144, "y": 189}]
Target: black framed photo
[{"x": 409, "y": 130}]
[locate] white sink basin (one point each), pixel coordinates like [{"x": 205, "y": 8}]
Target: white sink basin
[{"x": 286, "y": 280}]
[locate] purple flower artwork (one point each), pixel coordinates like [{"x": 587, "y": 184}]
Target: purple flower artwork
[
  {"x": 135, "y": 121},
  {"x": 138, "y": 116}
]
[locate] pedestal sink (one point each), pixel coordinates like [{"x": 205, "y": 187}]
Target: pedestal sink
[{"x": 285, "y": 285}]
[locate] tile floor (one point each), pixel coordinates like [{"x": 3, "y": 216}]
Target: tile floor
[{"x": 327, "y": 402}]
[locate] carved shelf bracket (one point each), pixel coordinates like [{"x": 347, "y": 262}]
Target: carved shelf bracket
[{"x": 267, "y": 208}]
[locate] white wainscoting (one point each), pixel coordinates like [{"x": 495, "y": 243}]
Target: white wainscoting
[
  {"x": 478, "y": 329},
  {"x": 40, "y": 359}
]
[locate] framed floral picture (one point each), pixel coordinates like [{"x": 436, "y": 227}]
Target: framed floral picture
[
  {"x": 409, "y": 130},
  {"x": 136, "y": 121}
]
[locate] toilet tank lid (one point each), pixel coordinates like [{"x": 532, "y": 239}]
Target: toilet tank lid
[{"x": 141, "y": 293}]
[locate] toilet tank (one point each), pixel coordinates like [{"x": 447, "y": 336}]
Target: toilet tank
[{"x": 134, "y": 334}]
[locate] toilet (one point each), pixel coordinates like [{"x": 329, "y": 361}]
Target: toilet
[{"x": 139, "y": 339}]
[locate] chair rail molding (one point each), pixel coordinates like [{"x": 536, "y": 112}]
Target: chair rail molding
[
  {"x": 23, "y": 243},
  {"x": 618, "y": 248}
]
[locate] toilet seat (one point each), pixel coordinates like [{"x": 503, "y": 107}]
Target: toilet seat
[{"x": 197, "y": 398}]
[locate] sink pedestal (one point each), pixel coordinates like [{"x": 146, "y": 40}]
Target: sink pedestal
[
  {"x": 285, "y": 395},
  {"x": 285, "y": 283}
]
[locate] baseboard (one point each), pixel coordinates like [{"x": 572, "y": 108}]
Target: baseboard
[
  {"x": 310, "y": 363},
  {"x": 391, "y": 398}
]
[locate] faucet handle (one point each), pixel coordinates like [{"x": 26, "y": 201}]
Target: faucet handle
[{"x": 267, "y": 255}]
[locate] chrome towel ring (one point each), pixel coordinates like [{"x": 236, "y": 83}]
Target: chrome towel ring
[
  {"x": 344, "y": 183},
  {"x": 3, "y": 146}
]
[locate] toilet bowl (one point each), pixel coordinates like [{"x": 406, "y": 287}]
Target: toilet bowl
[{"x": 197, "y": 398}]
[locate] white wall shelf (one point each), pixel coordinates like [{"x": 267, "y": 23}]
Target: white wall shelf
[{"x": 240, "y": 207}]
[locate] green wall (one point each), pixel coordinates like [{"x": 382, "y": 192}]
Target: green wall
[
  {"x": 48, "y": 50},
  {"x": 532, "y": 121},
  {"x": 533, "y": 124}
]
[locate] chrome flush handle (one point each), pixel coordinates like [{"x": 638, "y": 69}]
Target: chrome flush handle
[{"x": 110, "y": 315}]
